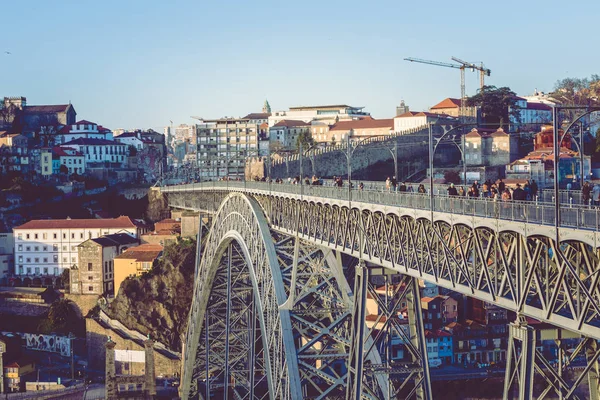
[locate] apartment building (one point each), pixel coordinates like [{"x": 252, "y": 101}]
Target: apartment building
[
  {"x": 94, "y": 274},
  {"x": 45, "y": 248},
  {"x": 223, "y": 146},
  {"x": 135, "y": 261}
]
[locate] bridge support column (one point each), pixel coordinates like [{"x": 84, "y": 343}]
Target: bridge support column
[
  {"x": 417, "y": 335},
  {"x": 356, "y": 362},
  {"x": 520, "y": 360},
  {"x": 594, "y": 374}
]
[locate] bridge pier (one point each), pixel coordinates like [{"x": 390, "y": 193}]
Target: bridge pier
[
  {"x": 520, "y": 360},
  {"x": 375, "y": 315}
]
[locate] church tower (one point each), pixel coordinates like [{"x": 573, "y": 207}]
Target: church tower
[{"x": 266, "y": 107}]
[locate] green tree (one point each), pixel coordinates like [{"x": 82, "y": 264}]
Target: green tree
[
  {"x": 451, "y": 177},
  {"x": 577, "y": 91},
  {"x": 497, "y": 105},
  {"x": 306, "y": 139},
  {"x": 63, "y": 317}
]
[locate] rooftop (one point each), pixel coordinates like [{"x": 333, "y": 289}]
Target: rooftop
[
  {"x": 115, "y": 239},
  {"x": 366, "y": 123},
  {"x": 47, "y": 108},
  {"x": 143, "y": 253},
  {"x": 449, "y": 102},
  {"x": 92, "y": 142},
  {"x": 289, "y": 123},
  {"x": 257, "y": 116},
  {"x": 120, "y": 222}
]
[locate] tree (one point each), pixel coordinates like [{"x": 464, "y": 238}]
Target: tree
[
  {"x": 63, "y": 317},
  {"x": 498, "y": 105},
  {"x": 451, "y": 177},
  {"x": 65, "y": 279},
  {"x": 306, "y": 139},
  {"x": 63, "y": 169},
  {"x": 577, "y": 91}
]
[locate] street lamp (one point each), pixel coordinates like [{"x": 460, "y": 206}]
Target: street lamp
[{"x": 558, "y": 139}]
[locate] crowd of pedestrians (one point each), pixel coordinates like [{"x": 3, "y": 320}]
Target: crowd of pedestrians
[{"x": 496, "y": 191}]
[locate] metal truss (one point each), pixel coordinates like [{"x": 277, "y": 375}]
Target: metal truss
[
  {"x": 271, "y": 315},
  {"x": 532, "y": 275},
  {"x": 521, "y": 269},
  {"x": 407, "y": 377},
  {"x": 525, "y": 362}
]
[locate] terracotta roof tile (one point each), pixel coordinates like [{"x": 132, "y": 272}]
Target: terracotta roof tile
[
  {"x": 120, "y": 222},
  {"x": 364, "y": 123},
  {"x": 143, "y": 253},
  {"x": 449, "y": 102},
  {"x": 290, "y": 123}
]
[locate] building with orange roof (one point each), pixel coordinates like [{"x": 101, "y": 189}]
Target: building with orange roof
[
  {"x": 451, "y": 106},
  {"x": 165, "y": 232},
  {"x": 284, "y": 134},
  {"x": 45, "y": 248},
  {"x": 135, "y": 261}
]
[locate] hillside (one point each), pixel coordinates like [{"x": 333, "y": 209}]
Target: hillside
[{"x": 158, "y": 302}]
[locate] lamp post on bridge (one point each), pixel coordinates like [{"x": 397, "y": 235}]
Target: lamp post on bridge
[{"x": 557, "y": 142}]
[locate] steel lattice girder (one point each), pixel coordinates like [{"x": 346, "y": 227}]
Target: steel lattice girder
[
  {"x": 530, "y": 275},
  {"x": 296, "y": 296}
]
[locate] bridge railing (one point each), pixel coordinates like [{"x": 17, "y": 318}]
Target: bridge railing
[{"x": 538, "y": 212}]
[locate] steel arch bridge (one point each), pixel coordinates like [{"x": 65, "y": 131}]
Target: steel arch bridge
[{"x": 274, "y": 315}]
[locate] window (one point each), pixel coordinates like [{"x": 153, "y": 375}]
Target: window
[
  {"x": 55, "y": 258},
  {"x": 90, "y": 267},
  {"x": 37, "y": 260},
  {"x": 90, "y": 288},
  {"x": 73, "y": 248},
  {"x": 20, "y": 236},
  {"x": 74, "y": 259},
  {"x": 37, "y": 248},
  {"x": 20, "y": 247},
  {"x": 64, "y": 235},
  {"x": 90, "y": 278},
  {"x": 54, "y": 235},
  {"x": 64, "y": 248},
  {"x": 45, "y": 270},
  {"x": 27, "y": 236},
  {"x": 45, "y": 248},
  {"x": 54, "y": 247},
  {"x": 20, "y": 259},
  {"x": 35, "y": 235},
  {"x": 72, "y": 236},
  {"x": 65, "y": 259},
  {"x": 81, "y": 235},
  {"x": 28, "y": 260},
  {"x": 28, "y": 270},
  {"x": 45, "y": 259}
]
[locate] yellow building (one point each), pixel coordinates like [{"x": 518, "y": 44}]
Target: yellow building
[
  {"x": 14, "y": 371},
  {"x": 135, "y": 261}
]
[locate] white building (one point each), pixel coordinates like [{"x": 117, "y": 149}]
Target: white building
[
  {"x": 533, "y": 115},
  {"x": 45, "y": 248},
  {"x": 131, "y": 139},
  {"x": 185, "y": 133},
  {"x": 327, "y": 115},
  {"x": 100, "y": 150},
  {"x": 71, "y": 158},
  {"x": 412, "y": 120},
  {"x": 82, "y": 130},
  {"x": 284, "y": 134}
]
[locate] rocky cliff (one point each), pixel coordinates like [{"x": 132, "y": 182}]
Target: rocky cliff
[{"x": 158, "y": 302}]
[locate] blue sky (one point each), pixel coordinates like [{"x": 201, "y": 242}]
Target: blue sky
[{"x": 131, "y": 63}]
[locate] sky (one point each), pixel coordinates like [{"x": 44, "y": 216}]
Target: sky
[{"x": 140, "y": 64}]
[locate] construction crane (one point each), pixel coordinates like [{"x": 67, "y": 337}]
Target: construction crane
[{"x": 461, "y": 66}]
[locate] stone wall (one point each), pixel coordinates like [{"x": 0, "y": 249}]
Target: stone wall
[
  {"x": 85, "y": 302},
  {"x": 96, "y": 337},
  {"x": 189, "y": 224},
  {"x": 334, "y": 163}
]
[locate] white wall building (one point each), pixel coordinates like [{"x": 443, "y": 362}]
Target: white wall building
[
  {"x": 71, "y": 158},
  {"x": 45, "y": 248},
  {"x": 131, "y": 139},
  {"x": 328, "y": 114},
  {"x": 83, "y": 129},
  {"x": 100, "y": 150},
  {"x": 284, "y": 134},
  {"x": 413, "y": 119}
]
